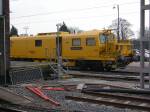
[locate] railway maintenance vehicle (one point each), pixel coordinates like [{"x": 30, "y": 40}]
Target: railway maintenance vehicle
[{"x": 96, "y": 49}]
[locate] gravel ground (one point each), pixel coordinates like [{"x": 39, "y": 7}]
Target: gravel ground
[
  {"x": 135, "y": 67},
  {"x": 67, "y": 105}
]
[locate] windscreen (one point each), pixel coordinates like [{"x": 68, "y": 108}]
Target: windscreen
[{"x": 103, "y": 38}]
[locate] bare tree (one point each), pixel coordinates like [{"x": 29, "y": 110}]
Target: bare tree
[
  {"x": 136, "y": 42},
  {"x": 124, "y": 28},
  {"x": 147, "y": 33}
]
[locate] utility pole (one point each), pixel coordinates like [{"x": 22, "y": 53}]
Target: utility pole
[
  {"x": 118, "y": 14},
  {"x": 149, "y": 45},
  {"x": 59, "y": 58},
  {"x": 118, "y": 23},
  {"x": 142, "y": 31},
  {"x": 143, "y": 7},
  {"x": 4, "y": 42},
  {"x": 1, "y": 8}
]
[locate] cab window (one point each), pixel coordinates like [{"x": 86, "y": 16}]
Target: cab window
[
  {"x": 103, "y": 38},
  {"x": 90, "y": 42},
  {"x": 76, "y": 42},
  {"x": 38, "y": 43}
]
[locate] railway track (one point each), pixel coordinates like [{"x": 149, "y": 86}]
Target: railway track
[
  {"x": 114, "y": 75},
  {"x": 128, "y": 73},
  {"x": 116, "y": 100},
  {"x": 4, "y": 109},
  {"x": 23, "y": 108}
]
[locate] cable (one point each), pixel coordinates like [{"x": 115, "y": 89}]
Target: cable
[
  {"x": 73, "y": 10},
  {"x": 126, "y": 13}
]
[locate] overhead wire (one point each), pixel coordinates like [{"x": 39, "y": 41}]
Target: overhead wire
[
  {"x": 70, "y": 10},
  {"x": 78, "y": 18}
]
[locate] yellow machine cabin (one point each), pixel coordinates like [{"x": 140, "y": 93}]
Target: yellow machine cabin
[{"x": 125, "y": 47}]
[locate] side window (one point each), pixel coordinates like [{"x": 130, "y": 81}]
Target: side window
[
  {"x": 38, "y": 43},
  {"x": 103, "y": 38},
  {"x": 90, "y": 42},
  {"x": 76, "y": 42}
]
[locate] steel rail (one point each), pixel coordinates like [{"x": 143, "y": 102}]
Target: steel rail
[
  {"x": 4, "y": 109},
  {"x": 26, "y": 108},
  {"x": 109, "y": 103},
  {"x": 106, "y": 76},
  {"x": 119, "y": 96},
  {"x": 111, "y": 72},
  {"x": 117, "y": 72}
]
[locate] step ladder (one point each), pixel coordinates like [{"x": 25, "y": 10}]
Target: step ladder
[{"x": 54, "y": 68}]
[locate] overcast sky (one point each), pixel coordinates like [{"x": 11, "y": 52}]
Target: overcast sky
[{"x": 43, "y": 15}]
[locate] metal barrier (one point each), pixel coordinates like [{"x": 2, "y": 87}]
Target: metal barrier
[{"x": 26, "y": 74}]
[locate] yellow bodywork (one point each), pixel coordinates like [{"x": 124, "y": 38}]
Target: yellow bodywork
[
  {"x": 24, "y": 47},
  {"x": 125, "y": 48},
  {"x": 91, "y": 45}
]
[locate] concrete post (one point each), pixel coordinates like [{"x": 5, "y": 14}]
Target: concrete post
[
  {"x": 118, "y": 23},
  {"x": 118, "y": 13},
  {"x": 149, "y": 45},
  {"x": 142, "y": 32},
  {"x": 59, "y": 62}
]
